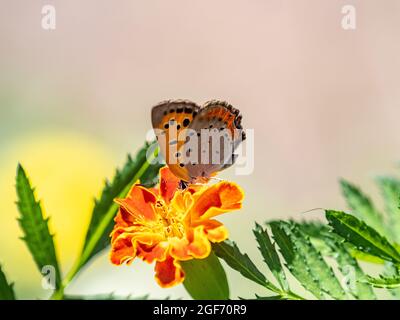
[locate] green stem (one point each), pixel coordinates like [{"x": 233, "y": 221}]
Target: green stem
[
  {"x": 285, "y": 294},
  {"x": 96, "y": 236},
  {"x": 292, "y": 296}
]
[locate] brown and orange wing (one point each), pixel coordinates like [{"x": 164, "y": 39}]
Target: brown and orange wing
[
  {"x": 170, "y": 119},
  {"x": 221, "y": 119}
]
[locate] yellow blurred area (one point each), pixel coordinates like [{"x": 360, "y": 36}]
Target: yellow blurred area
[{"x": 66, "y": 169}]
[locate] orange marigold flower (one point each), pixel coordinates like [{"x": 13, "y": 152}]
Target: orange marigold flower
[{"x": 168, "y": 225}]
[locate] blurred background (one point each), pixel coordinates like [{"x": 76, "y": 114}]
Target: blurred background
[{"x": 324, "y": 103}]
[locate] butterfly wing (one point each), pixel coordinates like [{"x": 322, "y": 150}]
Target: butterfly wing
[
  {"x": 223, "y": 132},
  {"x": 169, "y": 119}
]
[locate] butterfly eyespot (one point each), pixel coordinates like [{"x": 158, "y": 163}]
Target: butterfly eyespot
[
  {"x": 178, "y": 154},
  {"x": 211, "y": 126},
  {"x": 165, "y": 112},
  {"x": 166, "y": 126},
  {"x": 220, "y": 119},
  {"x": 181, "y": 165},
  {"x": 186, "y": 122},
  {"x": 178, "y": 126},
  {"x": 198, "y": 134},
  {"x": 172, "y": 111}
]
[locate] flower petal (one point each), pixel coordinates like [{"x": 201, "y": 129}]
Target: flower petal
[
  {"x": 215, "y": 230},
  {"x": 169, "y": 183},
  {"x": 169, "y": 272},
  {"x": 122, "y": 249},
  {"x": 179, "y": 249},
  {"x": 123, "y": 218},
  {"x": 150, "y": 253},
  {"x": 199, "y": 246},
  {"x": 219, "y": 198},
  {"x": 181, "y": 202},
  {"x": 139, "y": 202},
  {"x": 196, "y": 245}
]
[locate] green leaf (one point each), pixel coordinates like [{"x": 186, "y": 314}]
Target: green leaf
[
  {"x": 362, "y": 207},
  {"x": 350, "y": 269},
  {"x": 278, "y": 297},
  {"x": 390, "y": 189},
  {"x": 270, "y": 255},
  {"x": 230, "y": 253},
  {"x": 333, "y": 246},
  {"x": 362, "y": 236},
  {"x": 305, "y": 262},
  {"x": 101, "y": 224},
  {"x": 384, "y": 282},
  {"x": 205, "y": 279},
  {"x": 389, "y": 271},
  {"x": 35, "y": 227},
  {"x": 6, "y": 289},
  {"x": 363, "y": 256},
  {"x": 294, "y": 262},
  {"x": 318, "y": 231},
  {"x": 314, "y": 229}
]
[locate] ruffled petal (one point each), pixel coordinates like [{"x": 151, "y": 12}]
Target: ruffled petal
[
  {"x": 150, "y": 253},
  {"x": 180, "y": 203},
  {"x": 179, "y": 249},
  {"x": 199, "y": 247},
  {"x": 215, "y": 230},
  {"x": 169, "y": 272},
  {"x": 195, "y": 245},
  {"x": 147, "y": 237},
  {"x": 122, "y": 249},
  {"x": 217, "y": 199},
  {"x": 169, "y": 183},
  {"x": 139, "y": 203},
  {"x": 123, "y": 218}
]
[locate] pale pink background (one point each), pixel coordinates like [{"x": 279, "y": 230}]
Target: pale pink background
[{"x": 324, "y": 102}]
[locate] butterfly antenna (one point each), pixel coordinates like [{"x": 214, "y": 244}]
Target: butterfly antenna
[
  {"x": 216, "y": 179},
  {"x": 311, "y": 210}
]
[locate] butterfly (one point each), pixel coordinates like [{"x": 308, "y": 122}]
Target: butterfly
[{"x": 197, "y": 142}]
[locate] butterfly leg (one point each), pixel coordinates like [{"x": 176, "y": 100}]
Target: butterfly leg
[{"x": 183, "y": 185}]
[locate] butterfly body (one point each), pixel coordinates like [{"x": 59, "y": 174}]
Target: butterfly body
[{"x": 197, "y": 142}]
